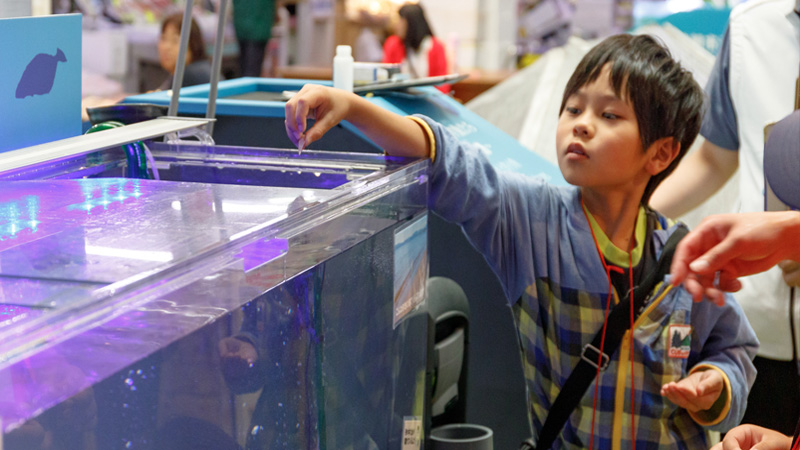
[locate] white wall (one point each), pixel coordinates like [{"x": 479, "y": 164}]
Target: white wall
[
  {"x": 480, "y": 32},
  {"x": 455, "y": 22},
  {"x": 496, "y": 46},
  {"x": 15, "y": 8}
]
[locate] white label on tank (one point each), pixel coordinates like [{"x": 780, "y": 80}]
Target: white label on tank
[{"x": 412, "y": 433}]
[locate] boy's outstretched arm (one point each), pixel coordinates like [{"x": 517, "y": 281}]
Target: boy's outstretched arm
[{"x": 395, "y": 134}]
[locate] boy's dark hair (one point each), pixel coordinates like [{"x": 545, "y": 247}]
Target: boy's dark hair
[
  {"x": 665, "y": 97},
  {"x": 418, "y": 28},
  {"x": 196, "y": 44}
]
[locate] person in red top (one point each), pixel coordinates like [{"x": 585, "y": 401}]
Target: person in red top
[{"x": 415, "y": 47}]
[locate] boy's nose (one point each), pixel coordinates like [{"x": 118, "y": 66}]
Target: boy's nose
[{"x": 581, "y": 129}]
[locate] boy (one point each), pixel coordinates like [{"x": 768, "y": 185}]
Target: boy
[{"x": 629, "y": 113}]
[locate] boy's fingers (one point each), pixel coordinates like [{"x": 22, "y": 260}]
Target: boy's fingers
[
  {"x": 679, "y": 399},
  {"x": 301, "y": 115},
  {"x": 709, "y": 385},
  {"x": 289, "y": 115},
  {"x": 290, "y": 133},
  {"x": 321, "y": 126}
]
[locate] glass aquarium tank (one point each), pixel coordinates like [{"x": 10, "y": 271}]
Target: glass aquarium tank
[{"x": 221, "y": 298}]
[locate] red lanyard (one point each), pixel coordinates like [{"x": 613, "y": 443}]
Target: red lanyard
[{"x": 608, "y": 270}]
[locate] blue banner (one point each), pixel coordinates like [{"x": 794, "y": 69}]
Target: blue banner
[{"x": 40, "y": 80}]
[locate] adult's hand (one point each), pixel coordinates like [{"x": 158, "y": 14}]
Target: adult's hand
[
  {"x": 746, "y": 437},
  {"x": 725, "y": 247},
  {"x": 791, "y": 272}
]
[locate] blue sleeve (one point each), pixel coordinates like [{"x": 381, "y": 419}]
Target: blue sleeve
[
  {"x": 719, "y": 124},
  {"x": 494, "y": 209},
  {"x": 729, "y": 343}
]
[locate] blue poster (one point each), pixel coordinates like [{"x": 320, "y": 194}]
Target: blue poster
[{"x": 40, "y": 80}]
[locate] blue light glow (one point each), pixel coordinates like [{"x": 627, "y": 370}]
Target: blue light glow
[
  {"x": 19, "y": 215},
  {"x": 104, "y": 192}
]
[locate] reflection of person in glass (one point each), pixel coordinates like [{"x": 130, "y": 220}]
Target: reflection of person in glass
[
  {"x": 71, "y": 424},
  {"x": 272, "y": 352}
]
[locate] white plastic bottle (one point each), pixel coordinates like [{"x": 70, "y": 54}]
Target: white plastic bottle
[{"x": 343, "y": 68}]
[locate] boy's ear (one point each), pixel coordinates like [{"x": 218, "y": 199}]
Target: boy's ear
[{"x": 664, "y": 151}]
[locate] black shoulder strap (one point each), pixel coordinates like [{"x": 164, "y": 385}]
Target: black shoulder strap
[{"x": 618, "y": 323}]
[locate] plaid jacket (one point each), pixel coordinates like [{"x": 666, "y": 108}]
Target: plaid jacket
[{"x": 537, "y": 240}]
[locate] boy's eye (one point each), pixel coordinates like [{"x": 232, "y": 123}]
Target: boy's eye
[
  {"x": 610, "y": 116},
  {"x": 572, "y": 110}
]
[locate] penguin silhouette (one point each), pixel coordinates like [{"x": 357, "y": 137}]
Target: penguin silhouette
[{"x": 37, "y": 79}]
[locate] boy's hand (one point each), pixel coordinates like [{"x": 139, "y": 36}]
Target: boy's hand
[
  {"x": 326, "y": 105},
  {"x": 697, "y": 392},
  {"x": 746, "y": 437}
]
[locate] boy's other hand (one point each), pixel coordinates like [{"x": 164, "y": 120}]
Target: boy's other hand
[
  {"x": 327, "y": 106},
  {"x": 697, "y": 392},
  {"x": 746, "y": 437}
]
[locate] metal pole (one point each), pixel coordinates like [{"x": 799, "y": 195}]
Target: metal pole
[
  {"x": 177, "y": 80},
  {"x": 216, "y": 64}
]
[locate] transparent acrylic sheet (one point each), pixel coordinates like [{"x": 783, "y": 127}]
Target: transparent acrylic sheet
[
  {"x": 115, "y": 243},
  {"x": 105, "y": 230}
]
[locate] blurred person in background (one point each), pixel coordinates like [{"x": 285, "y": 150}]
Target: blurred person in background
[
  {"x": 253, "y": 20},
  {"x": 415, "y": 47},
  {"x": 198, "y": 66}
]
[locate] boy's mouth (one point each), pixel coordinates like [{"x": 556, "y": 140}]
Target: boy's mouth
[{"x": 576, "y": 149}]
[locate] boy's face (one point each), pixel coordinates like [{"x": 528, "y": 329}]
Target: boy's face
[{"x": 598, "y": 140}]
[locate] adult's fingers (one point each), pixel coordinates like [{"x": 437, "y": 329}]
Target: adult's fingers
[
  {"x": 688, "y": 250},
  {"x": 695, "y": 288},
  {"x": 791, "y": 272},
  {"x": 716, "y": 257},
  {"x": 702, "y": 288}
]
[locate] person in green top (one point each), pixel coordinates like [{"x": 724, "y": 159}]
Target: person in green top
[{"x": 252, "y": 20}]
